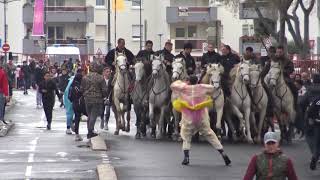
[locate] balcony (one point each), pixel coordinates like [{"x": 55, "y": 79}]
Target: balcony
[
  {"x": 62, "y": 14},
  {"x": 191, "y": 14},
  {"x": 197, "y": 44},
  {"x": 31, "y": 46},
  {"x": 247, "y": 11}
]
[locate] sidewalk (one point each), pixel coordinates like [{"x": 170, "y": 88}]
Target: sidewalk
[{"x": 5, "y": 128}]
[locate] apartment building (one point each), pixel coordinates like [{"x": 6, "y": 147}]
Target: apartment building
[
  {"x": 1, "y": 24},
  {"x": 195, "y": 21}
]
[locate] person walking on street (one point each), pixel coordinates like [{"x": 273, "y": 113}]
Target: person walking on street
[
  {"x": 78, "y": 103},
  {"x": 63, "y": 82},
  {"x": 271, "y": 163},
  {"x": 107, "y": 101},
  {"x": 193, "y": 103},
  {"x": 94, "y": 91},
  {"x": 4, "y": 92},
  {"x": 26, "y": 77},
  {"x": 10, "y": 69},
  {"x": 39, "y": 74},
  {"x": 310, "y": 102},
  {"x": 48, "y": 89},
  {"x": 186, "y": 56},
  {"x": 68, "y": 106}
]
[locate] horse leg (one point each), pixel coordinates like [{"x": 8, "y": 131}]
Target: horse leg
[
  {"x": 252, "y": 120},
  {"x": 247, "y": 121},
  {"x": 262, "y": 116},
  {"x": 138, "y": 122},
  {"x": 239, "y": 115},
  {"x": 218, "y": 123},
  {"x": 292, "y": 116},
  {"x": 161, "y": 123},
  {"x": 128, "y": 122},
  {"x": 231, "y": 129},
  {"x": 152, "y": 120}
]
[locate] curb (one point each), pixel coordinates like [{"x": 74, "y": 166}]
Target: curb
[
  {"x": 5, "y": 128},
  {"x": 106, "y": 172},
  {"x": 98, "y": 144}
]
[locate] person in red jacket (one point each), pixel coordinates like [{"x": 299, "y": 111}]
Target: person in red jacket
[
  {"x": 272, "y": 163},
  {"x": 4, "y": 92}
]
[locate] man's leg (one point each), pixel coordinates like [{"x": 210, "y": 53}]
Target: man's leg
[
  {"x": 186, "y": 133},
  {"x": 102, "y": 123},
  {"x": 211, "y": 137},
  {"x": 2, "y": 106}
]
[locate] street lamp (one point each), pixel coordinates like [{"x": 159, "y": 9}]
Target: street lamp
[{"x": 160, "y": 35}]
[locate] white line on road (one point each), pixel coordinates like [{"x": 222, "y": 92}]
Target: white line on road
[
  {"x": 28, "y": 171},
  {"x": 31, "y": 158}
]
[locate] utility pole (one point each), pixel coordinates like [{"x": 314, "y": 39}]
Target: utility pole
[
  {"x": 5, "y": 27},
  {"x": 109, "y": 26},
  {"x": 140, "y": 24},
  {"x": 45, "y": 26},
  {"x": 160, "y": 35},
  {"x": 115, "y": 22}
]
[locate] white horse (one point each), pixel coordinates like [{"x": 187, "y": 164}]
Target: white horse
[
  {"x": 240, "y": 99},
  {"x": 213, "y": 77},
  {"x": 121, "y": 93},
  {"x": 260, "y": 99},
  {"x": 139, "y": 96},
  {"x": 282, "y": 99},
  {"x": 179, "y": 72},
  {"x": 158, "y": 97}
]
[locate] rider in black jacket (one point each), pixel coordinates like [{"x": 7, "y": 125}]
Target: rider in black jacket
[
  {"x": 167, "y": 55},
  {"x": 147, "y": 52},
  {"x": 186, "y": 55}
]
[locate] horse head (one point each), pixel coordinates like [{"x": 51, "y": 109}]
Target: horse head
[
  {"x": 157, "y": 66},
  {"x": 178, "y": 69},
  {"x": 244, "y": 71},
  {"x": 274, "y": 73},
  {"x": 139, "y": 70},
  {"x": 255, "y": 71},
  {"x": 215, "y": 72},
  {"x": 121, "y": 62}
]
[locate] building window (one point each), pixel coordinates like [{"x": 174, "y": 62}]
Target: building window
[
  {"x": 55, "y": 32},
  {"x": 100, "y": 2},
  {"x": 101, "y": 32},
  {"x": 56, "y": 2},
  {"x": 180, "y": 32},
  {"x": 247, "y": 30},
  {"x": 192, "y": 31},
  {"x": 136, "y": 31},
  {"x": 136, "y": 3}
]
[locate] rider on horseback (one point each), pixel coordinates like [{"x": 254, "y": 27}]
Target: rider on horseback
[
  {"x": 168, "y": 56},
  {"x": 186, "y": 56}
]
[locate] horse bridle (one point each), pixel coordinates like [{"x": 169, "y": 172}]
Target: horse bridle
[
  {"x": 276, "y": 79},
  {"x": 179, "y": 73},
  {"x": 256, "y": 85}
]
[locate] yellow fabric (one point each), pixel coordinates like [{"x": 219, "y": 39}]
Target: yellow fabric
[
  {"x": 179, "y": 104},
  {"x": 118, "y": 5}
]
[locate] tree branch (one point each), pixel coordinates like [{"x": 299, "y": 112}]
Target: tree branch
[{"x": 303, "y": 7}]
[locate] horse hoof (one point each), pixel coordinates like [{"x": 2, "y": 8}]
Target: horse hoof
[
  {"x": 138, "y": 136},
  {"x": 128, "y": 129},
  {"x": 153, "y": 136},
  {"x": 250, "y": 141},
  {"x": 116, "y": 133}
]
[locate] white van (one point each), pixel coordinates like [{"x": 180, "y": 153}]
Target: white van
[{"x": 57, "y": 53}]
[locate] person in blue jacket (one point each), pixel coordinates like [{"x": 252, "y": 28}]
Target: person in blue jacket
[{"x": 68, "y": 106}]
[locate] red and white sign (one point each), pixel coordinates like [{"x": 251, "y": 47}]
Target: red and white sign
[{"x": 5, "y": 47}]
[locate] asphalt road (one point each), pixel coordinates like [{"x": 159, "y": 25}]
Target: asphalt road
[
  {"x": 149, "y": 159},
  {"x": 30, "y": 152}
]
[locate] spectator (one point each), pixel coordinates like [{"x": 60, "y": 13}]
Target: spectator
[
  {"x": 63, "y": 82},
  {"x": 10, "y": 69},
  {"x": 4, "y": 92},
  {"x": 305, "y": 77},
  {"x": 26, "y": 77},
  {"x": 107, "y": 102},
  {"x": 32, "y": 66},
  {"x": 39, "y": 74},
  {"x": 297, "y": 77},
  {"x": 271, "y": 163}
]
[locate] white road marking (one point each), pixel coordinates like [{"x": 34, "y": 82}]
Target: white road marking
[
  {"x": 28, "y": 171},
  {"x": 31, "y": 158}
]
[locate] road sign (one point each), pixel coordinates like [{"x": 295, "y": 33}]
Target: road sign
[{"x": 5, "y": 47}]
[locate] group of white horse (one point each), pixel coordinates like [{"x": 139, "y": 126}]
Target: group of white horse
[{"x": 152, "y": 98}]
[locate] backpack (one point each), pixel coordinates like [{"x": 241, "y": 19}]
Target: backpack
[{"x": 313, "y": 112}]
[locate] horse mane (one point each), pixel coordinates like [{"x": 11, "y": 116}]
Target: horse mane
[{"x": 233, "y": 73}]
